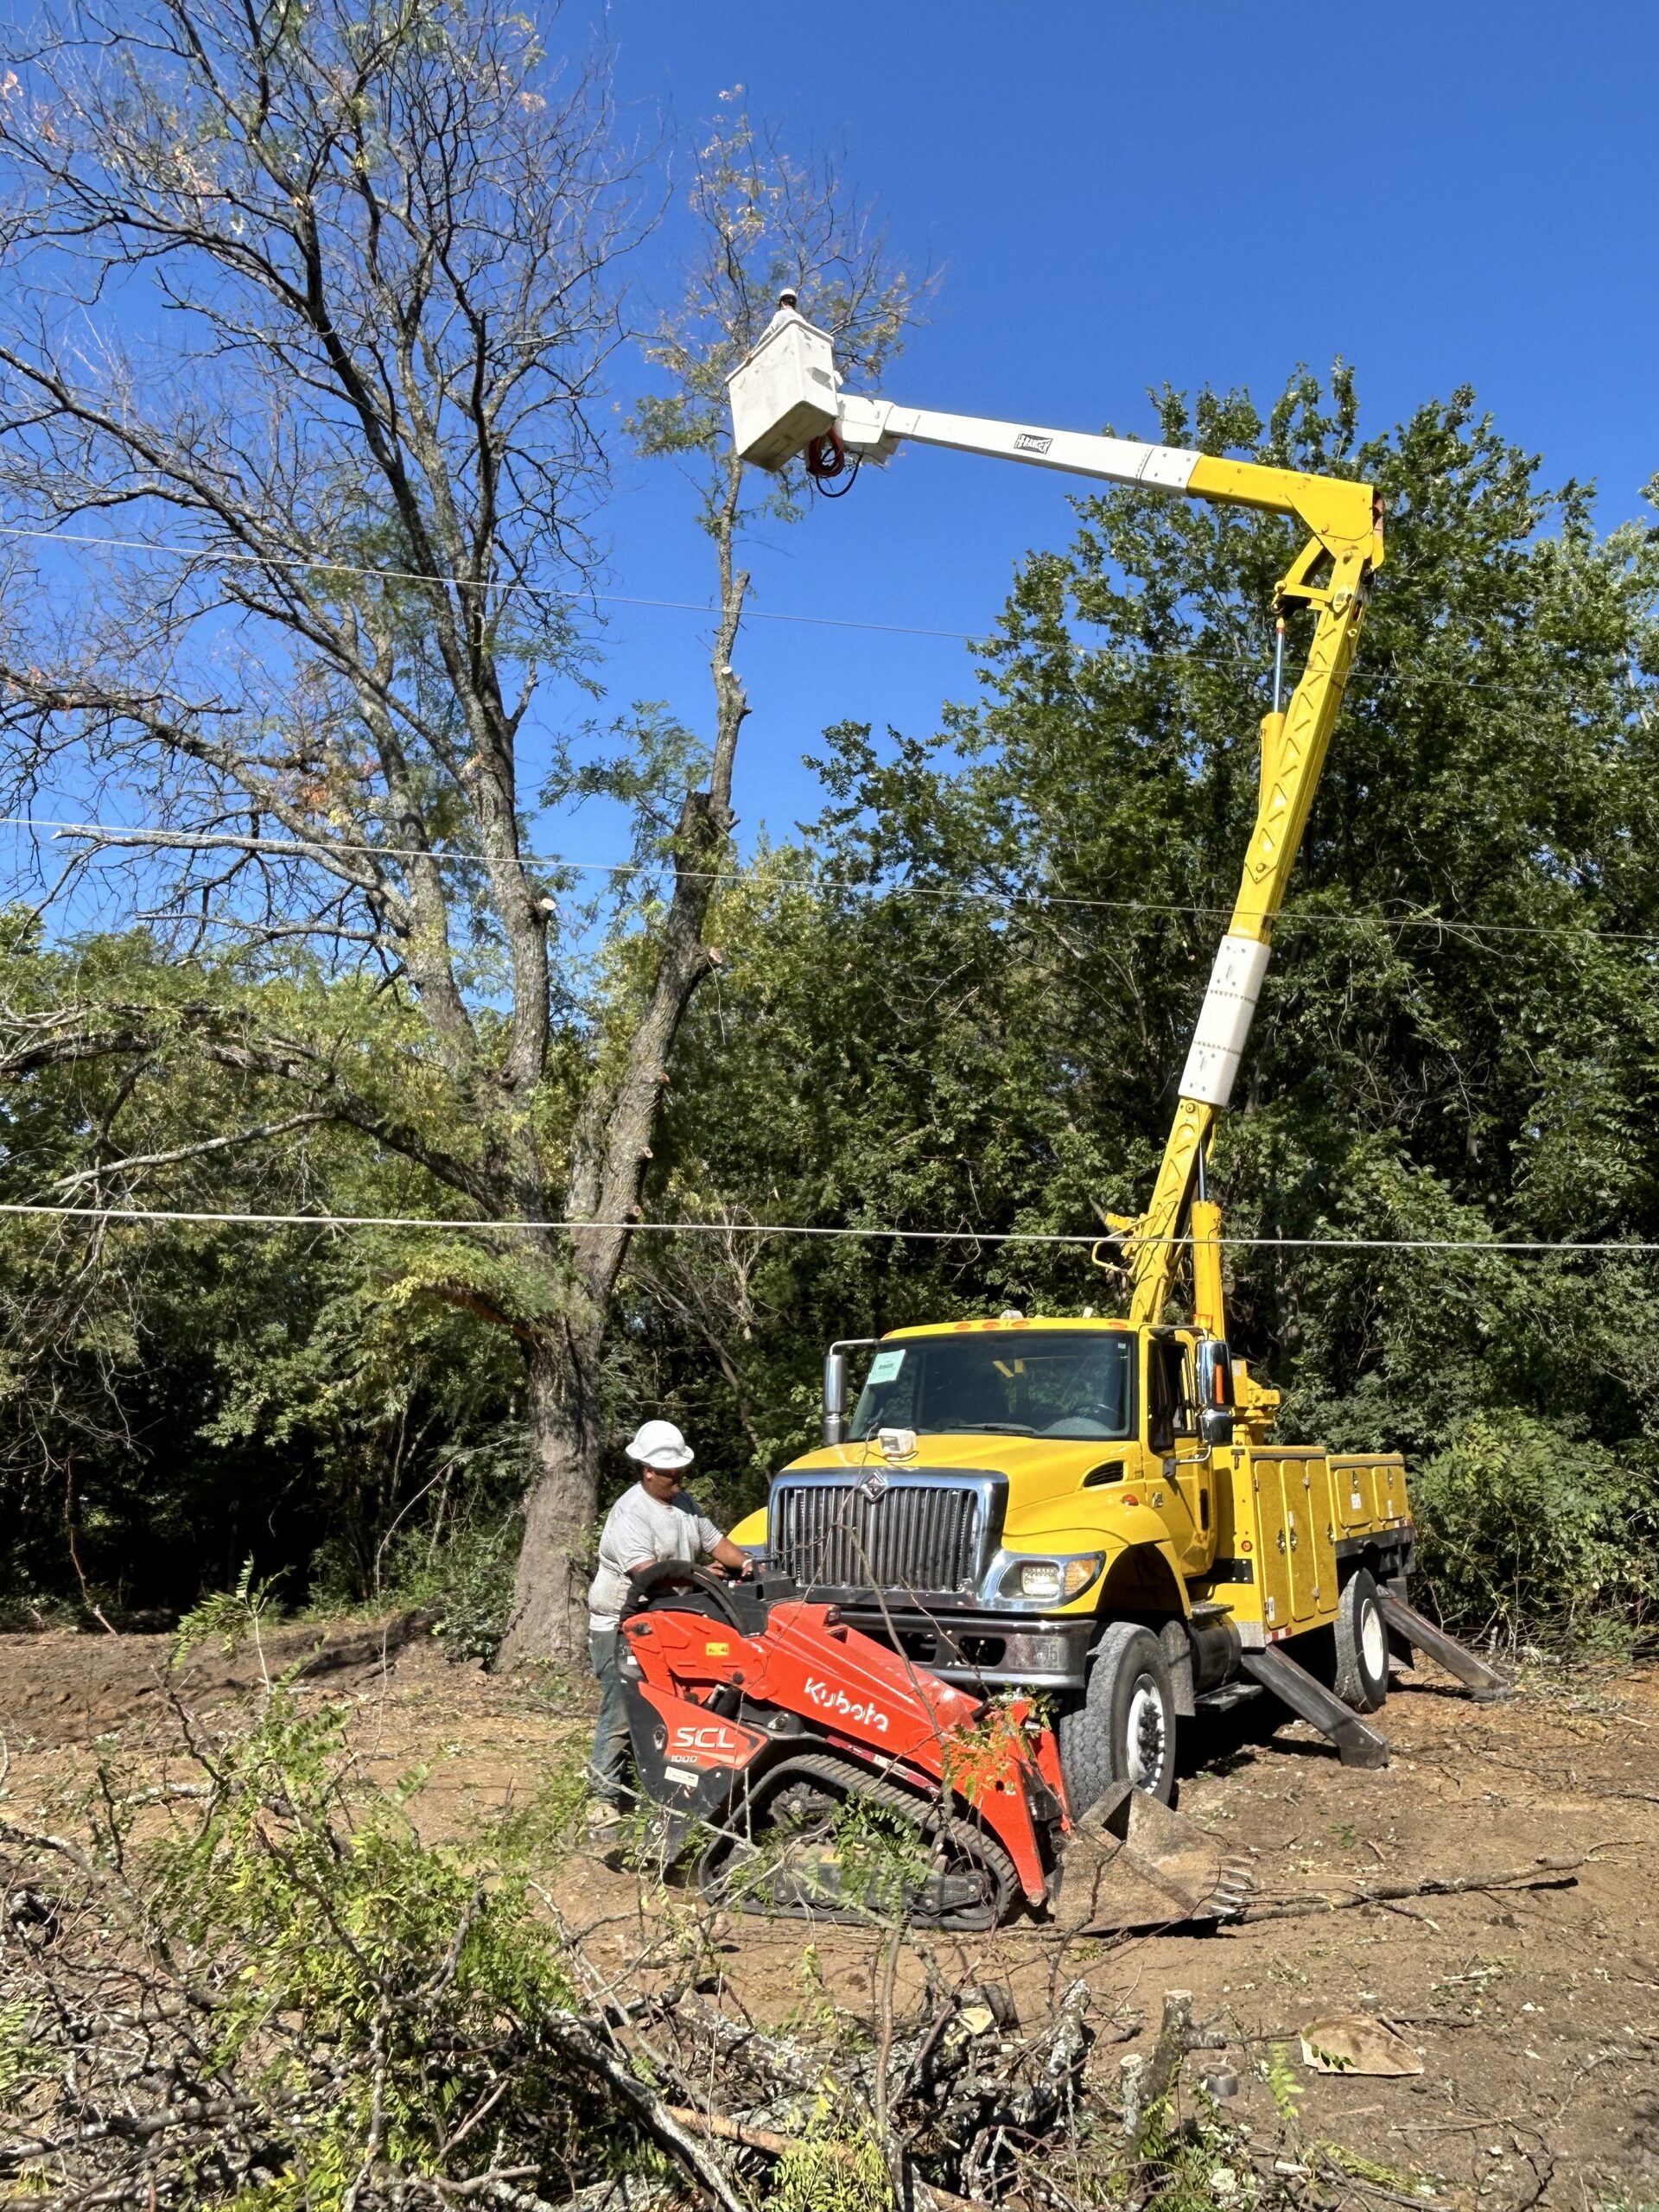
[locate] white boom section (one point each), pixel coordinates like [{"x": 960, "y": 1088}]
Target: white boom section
[
  {"x": 1225, "y": 1020},
  {"x": 871, "y": 428}
]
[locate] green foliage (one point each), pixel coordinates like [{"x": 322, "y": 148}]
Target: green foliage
[
  {"x": 1372, "y": 2170},
  {"x": 1284, "y": 2085},
  {"x": 23, "y": 2056},
  {"x": 1202, "y": 2168},
  {"x": 880, "y": 1859},
  {"x": 1533, "y": 1536},
  {"x": 348, "y": 2003},
  {"x": 864, "y": 1856},
  {"x": 462, "y": 1569},
  {"x": 837, "y": 2165},
  {"x": 227, "y": 1617},
  {"x": 173, "y": 1395}
]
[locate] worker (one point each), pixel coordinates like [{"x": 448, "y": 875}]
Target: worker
[{"x": 655, "y": 1521}]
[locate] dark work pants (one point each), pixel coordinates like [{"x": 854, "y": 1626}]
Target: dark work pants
[{"x": 609, "y": 1764}]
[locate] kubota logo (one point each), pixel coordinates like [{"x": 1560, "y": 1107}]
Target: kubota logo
[{"x": 837, "y": 1701}]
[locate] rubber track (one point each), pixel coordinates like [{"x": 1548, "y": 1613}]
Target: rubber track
[{"x": 851, "y": 1780}]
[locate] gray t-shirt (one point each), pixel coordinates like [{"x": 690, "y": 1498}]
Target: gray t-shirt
[{"x": 639, "y": 1529}]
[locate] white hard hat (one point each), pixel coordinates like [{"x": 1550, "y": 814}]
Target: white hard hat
[{"x": 659, "y": 1443}]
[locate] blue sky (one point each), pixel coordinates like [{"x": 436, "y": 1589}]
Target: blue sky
[{"x": 1191, "y": 192}]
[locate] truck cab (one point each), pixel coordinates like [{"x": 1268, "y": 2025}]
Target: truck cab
[{"x": 1004, "y": 1491}]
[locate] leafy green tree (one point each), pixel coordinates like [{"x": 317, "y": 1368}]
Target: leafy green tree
[{"x": 174, "y": 1395}]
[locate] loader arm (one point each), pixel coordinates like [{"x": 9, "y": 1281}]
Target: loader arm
[{"x": 786, "y": 397}]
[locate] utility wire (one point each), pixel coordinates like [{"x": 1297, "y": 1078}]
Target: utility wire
[
  {"x": 799, "y": 1228},
  {"x": 302, "y": 850},
  {"x": 100, "y": 543},
  {"x": 1220, "y": 657}
]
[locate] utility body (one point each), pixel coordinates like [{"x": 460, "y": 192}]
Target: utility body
[{"x": 1096, "y": 1507}]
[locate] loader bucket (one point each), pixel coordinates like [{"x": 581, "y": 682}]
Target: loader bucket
[{"x": 1130, "y": 1862}]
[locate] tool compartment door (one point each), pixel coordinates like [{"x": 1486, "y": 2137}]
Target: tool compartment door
[
  {"x": 1272, "y": 1552},
  {"x": 1368, "y": 1492},
  {"x": 1298, "y": 1571},
  {"x": 1314, "y": 1569},
  {"x": 1353, "y": 1485}
]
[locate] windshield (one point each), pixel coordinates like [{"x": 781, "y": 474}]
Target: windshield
[{"x": 1069, "y": 1383}]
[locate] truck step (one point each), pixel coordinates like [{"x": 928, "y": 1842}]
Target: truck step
[
  {"x": 1358, "y": 1745},
  {"x": 1225, "y": 1699},
  {"x": 1489, "y": 1687}
]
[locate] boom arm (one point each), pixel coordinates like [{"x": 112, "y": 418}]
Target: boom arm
[{"x": 786, "y": 396}]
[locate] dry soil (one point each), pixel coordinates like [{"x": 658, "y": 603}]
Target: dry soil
[{"x": 1535, "y": 2013}]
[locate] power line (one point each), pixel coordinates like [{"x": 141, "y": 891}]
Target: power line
[
  {"x": 1154, "y": 657},
  {"x": 99, "y": 542},
  {"x": 1631, "y": 1250},
  {"x": 320, "y": 850}
]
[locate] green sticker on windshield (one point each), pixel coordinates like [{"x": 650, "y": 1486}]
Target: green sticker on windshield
[{"x": 885, "y": 1366}]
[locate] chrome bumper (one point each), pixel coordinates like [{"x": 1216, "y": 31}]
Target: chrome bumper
[{"x": 989, "y": 1648}]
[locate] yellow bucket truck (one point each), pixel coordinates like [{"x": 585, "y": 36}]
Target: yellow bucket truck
[{"x": 1096, "y": 1507}]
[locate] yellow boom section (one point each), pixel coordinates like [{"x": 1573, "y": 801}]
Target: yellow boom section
[{"x": 1344, "y": 552}]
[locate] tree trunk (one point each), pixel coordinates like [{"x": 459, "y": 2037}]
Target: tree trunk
[{"x": 549, "y": 1597}]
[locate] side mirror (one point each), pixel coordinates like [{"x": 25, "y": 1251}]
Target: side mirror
[
  {"x": 1214, "y": 1372},
  {"x": 835, "y": 1397},
  {"x": 1216, "y": 1425}
]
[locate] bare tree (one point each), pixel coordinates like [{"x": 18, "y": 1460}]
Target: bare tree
[
  {"x": 364, "y": 257},
  {"x": 761, "y": 221}
]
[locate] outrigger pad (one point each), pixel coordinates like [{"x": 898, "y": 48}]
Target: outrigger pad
[
  {"x": 1487, "y": 1685},
  {"x": 1130, "y": 1862},
  {"x": 1291, "y": 1683}
]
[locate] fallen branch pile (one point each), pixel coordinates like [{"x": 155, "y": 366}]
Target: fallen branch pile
[
  {"x": 249, "y": 1981},
  {"x": 250, "y": 1978}
]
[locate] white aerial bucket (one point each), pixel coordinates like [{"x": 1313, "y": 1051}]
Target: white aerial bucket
[{"x": 784, "y": 394}]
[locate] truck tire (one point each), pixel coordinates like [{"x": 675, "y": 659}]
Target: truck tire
[
  {"x": 1361, "y": 1640},
  {"x": 1124, "y": 1729}
]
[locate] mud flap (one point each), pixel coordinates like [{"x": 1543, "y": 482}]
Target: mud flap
[{"x": 1130, "y": 1862}]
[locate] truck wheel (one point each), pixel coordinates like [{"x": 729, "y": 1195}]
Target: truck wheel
[
  {"x": 1361, "y": 1638},
  {"x": 1124, "y": 1730}
]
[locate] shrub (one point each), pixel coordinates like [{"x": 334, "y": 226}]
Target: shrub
[
  {"x": 463, "y": 1574},
  {"x": 287, "y": 2000},
  {"x": 1530, "y": 1535}
]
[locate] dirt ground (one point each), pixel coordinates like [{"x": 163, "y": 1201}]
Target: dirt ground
[{"x": 1535, "y": 2013}]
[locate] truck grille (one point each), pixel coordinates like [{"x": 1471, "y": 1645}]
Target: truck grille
[{"x": 914, "y": 1536}]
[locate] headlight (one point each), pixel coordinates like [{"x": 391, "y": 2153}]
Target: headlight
[{"x": 1050, "y": 1582}]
